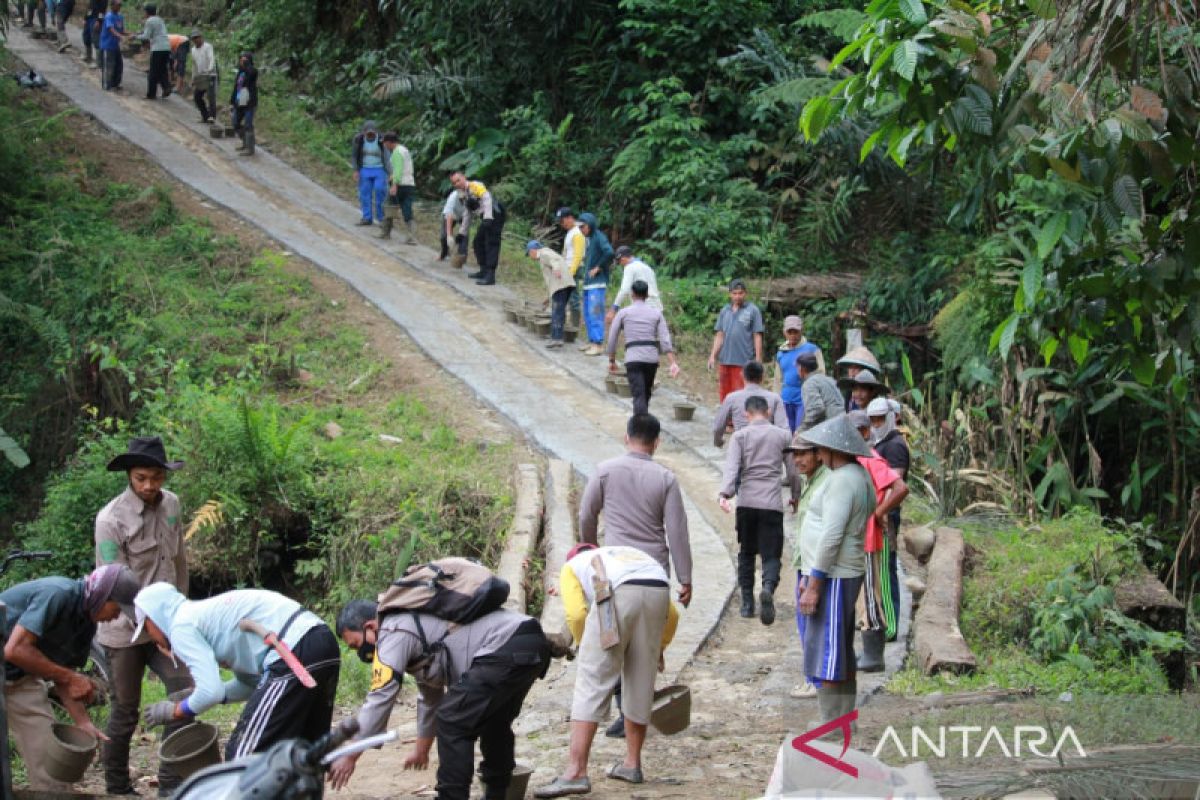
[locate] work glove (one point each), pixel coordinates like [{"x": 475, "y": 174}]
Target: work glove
[{"x": 160, "y": 713}]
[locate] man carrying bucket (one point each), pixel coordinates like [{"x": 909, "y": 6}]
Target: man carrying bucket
[
  {"x": 631, "y": 620},
  {"x": 141, "y": 528},
  {"x": 48, "y": 630}
]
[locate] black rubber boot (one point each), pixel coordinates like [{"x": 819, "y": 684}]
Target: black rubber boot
[
  {"x": 871, "y": 659},
  {"x": 488, "y": 278},
  {"x": 747, "y": 602},
  {"x": 766, "y": 602},
  {"x": 386, "y": 232},
  {"x": 472, "y": 276}
]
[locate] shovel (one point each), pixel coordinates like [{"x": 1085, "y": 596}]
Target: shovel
[{"x": 289, "y": 658}]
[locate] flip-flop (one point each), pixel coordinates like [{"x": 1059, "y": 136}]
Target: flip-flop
[
  {"x": 562, "y": 787},
  {"x": 619, "y": 772}
]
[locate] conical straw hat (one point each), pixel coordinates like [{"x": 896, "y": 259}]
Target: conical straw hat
[{"x": 838, "y": 434}]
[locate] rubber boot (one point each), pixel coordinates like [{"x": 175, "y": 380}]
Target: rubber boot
[
  {"x": 747, "y": 610},
  {"x": 476, "y": 275},
  {"x": 871, "y": 659},
  {"x": 241, "y": 134},
  {"x": 249, "y": 151},
  {"x": 835, "y": 700},
  {"x": 766, "y": 605},
  {"x": 457, "y": 261},
  {"x": 386, "y": 232},
  {"x": 486, "y": 278},
  {"x": 412, "y": 232}
]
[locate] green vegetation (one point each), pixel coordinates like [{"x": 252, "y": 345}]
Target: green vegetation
[
  {"x": 122, "y": 315},
  {"x": 1039, "y": 612}
]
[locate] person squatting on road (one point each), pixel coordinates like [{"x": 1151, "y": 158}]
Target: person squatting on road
[
  {"x": 207, "y": 634},
  {"x": 753, "y": 464},
  {"x": 402, "y": 186},
  {"x": 155, "y": 32},
  {"x": 646, "y": 335},
  {"x": 560, "y": 284},
  {"x": 596, "y": 263},
  {"x": 831, "y": 564},
  {"x": 372, "y": 164},
  {"x": 623, "y": 643},
  {"x": 480, "y": 202},
  {"x": 453, "y": 211},
  {"x": 204, "y": 77},
  {"x": 48, "y": 631},
  {"x": 788, "y": 382},
  {"x": 732, "y": 411},
  {"x": 471, "y": 687},
  {"x": 141, "y": 528},
  {"x": 244, "y": 102},
  {"x": 112, "y": 33},
  {"x": 877, "y": 607}
]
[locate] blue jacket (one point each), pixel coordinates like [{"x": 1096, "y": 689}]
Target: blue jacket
[
  {"x": 204, "y": 634},
  {"x": 599, "y": 253}
]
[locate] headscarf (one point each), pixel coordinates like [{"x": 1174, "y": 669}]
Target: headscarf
[
  {"x": 886, "y": 408},
  {"x": 110, "y": 582}
]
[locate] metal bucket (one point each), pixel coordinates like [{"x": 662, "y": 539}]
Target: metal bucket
[
  {"x": 519, "y": 783},
  {"x": 69, "y": 752},
  {"x": 684, "y": 411},
  {"x": 672, "y": 709},
  {"x": 190, "y": 749}
]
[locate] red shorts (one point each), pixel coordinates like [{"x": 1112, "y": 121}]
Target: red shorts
[{"x": 729, "y": 379}]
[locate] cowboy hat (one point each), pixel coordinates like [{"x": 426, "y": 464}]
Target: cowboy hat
[
  {"x": 144, "y": 451},
  {"x": 838, "y": 434}
]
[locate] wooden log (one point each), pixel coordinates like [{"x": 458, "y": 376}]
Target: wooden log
[
  {"x": 794, "y": 288},
  {"x": 938, "y": 643},
  {"x": 1143, "y": 597}
]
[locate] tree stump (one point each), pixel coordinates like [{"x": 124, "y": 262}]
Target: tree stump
[
  {"x": 938, "y": 641},
  {"x": 1144, "y": 598}
]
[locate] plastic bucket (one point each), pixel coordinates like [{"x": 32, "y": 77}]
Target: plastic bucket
[
  {"x": 684, "y": 411},
  {"x": 69, "y": 752},
  {"x": 672, "y": 709},
  {"x": 190, "y": 749},
  {"x": 519, "y": 783}
]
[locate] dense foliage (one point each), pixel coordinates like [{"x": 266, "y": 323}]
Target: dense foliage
[{"x": 122, "y": 315}]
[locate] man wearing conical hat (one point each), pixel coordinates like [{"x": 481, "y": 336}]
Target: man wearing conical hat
[
  {"x": 142, "y": 527},
  {"x": 831, "y": 564}
]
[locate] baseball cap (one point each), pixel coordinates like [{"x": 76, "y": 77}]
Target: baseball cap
[
  {"x": 565, "y": 211},
  {"x": 859, "y": 419},
  {"x": 799, "y": 443},
  {"x": 624, "y": 251},
  {"x": 737, "y": 283},
  {"x": 793, "y": 323},
  {"x": 533, "y": 244}
]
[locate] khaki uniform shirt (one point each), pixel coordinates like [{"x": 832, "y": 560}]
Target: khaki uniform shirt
[
  {"x": 752, "y": 466},
  {"x": 733, "y": 408},
  {"x": 149, "y": 541},
  {"x": 643, "y": 508}
]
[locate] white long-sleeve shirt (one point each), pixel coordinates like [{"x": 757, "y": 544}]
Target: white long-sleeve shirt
[
  {"x": 204, "y": 61},
  {"x": 638, "y": 270}
]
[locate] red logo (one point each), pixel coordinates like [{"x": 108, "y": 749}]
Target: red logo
[{"x": 843, "y": 722}]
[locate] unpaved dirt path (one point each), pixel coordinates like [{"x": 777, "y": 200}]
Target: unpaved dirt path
[{"x": 741, "y": 676}]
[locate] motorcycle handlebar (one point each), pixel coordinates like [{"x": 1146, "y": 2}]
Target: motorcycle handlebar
[{"x": 330, "y": 741}]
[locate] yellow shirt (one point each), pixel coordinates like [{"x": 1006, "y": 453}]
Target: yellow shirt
[{"x": 576, "y": 601}]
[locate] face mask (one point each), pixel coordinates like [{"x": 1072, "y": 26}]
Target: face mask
[{"x": 366, "y": 652}]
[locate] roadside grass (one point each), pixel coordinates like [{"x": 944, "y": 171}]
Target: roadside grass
[
  {"x": 1006, "y": 577},
  {"x": 142, "y": 318}
]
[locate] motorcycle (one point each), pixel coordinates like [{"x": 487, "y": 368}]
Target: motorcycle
[{"x": 289, "y": 770}]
